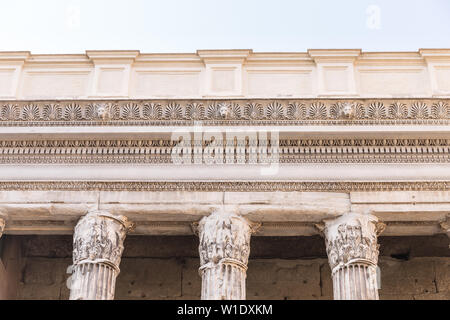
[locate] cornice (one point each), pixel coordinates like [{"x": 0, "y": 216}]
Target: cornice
[
  {"x": 111, "y": 56},
  {"x": 338, "y": 55},
  {"x": 435, "y": 54},
  {"x": 390, "y": 59},
  {"x": 168, "y": 58},
  {"x": 334, "y": 55},
  {"x": 224, "y": 54},
  {"x": 14, "y": 57}
]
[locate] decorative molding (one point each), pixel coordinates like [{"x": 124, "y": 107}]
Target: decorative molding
[
  {"x": 225, "y": 112},
  {"x": 239, "y": 186},
  {"x": 159, "y": 151}
]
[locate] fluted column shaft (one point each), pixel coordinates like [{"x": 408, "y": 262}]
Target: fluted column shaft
[
  {"x": 224, "y": 250},
  {"x": 352, "y": 249},
  {"x": 97, "y": 251}
]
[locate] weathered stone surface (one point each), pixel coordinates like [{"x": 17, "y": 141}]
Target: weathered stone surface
[
  {"x": 171, "y": 273},
  {"x": 40, "y": 272},
  {"x": 149, "y": 279},
  {"x": 442, "y": 269},
  {"x": 47, "y": 246},
  {"x": 10, "y": 267},
  {"x": 413, "y": 277},
  {"x": 44, "y": 278},
  {"x": 433, "y": 296},
  {"x": 283, "y": 213},
  {"x": 191, "y": 282},
  {"x": 326, "y": 282},
  {"x": 261, "y": 247},
  {"x": 284, "y": 279}
]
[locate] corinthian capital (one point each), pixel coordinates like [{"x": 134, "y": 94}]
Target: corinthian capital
[
  {"x": 352, "y": 238},
  {"x": 224, "y": 237},
  {"x": 99, "y": 237}
]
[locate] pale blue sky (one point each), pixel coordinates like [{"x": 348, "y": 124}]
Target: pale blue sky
[{"x": 72, "y": 26}]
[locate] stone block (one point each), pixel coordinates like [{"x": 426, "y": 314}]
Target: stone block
[
  {"x": 149, "y": 279},
  {"x": 283, "y": 279},
  {"x": 415, "y": 276},
  {"x": 191, "y": 280}
]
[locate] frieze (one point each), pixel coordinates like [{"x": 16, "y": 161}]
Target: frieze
[{"x": 225, "y": 112}]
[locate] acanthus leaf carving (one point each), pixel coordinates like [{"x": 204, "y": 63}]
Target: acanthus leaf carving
[
  {"x": 99, "y": 237},
  {"x": 224, "y": 237},
  {"x": 352, "y": 238}
]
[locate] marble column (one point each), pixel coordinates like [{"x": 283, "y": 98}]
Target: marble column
[
  {"x": 97, "y": 250},
  {"x": 224, "y": 250},
  {"x": 352, "y": 249}
]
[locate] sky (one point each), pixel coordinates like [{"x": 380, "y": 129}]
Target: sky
[{"x": 73, "y": 26}]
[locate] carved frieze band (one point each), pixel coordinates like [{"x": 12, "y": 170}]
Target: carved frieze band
[
  {"x": 289, "y": 151},
  {"x": 238, "y": 186},
  {"x": 225, "y": 112}
]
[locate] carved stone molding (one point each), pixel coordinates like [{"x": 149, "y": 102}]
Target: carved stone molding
[
  {"x": 352, "y": 250},
  {"x": 242, "y": 186},
  {"x": 230, "y": 112},
  {"x": 97, "y": 251},
  {"x": 159, "y": 151},
  {"x": 224, "y": 250}
]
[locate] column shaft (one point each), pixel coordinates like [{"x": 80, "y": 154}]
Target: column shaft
[
  {"x": 355, "y": 282},
  {"x": 223, "y": 282},
  {"x": 96, "y": 281}
]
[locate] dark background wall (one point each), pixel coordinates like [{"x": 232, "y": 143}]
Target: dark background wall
[{"x": 165, "y": 267}]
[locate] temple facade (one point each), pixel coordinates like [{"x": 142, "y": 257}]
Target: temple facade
[{"x": 225, "y": 175}]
